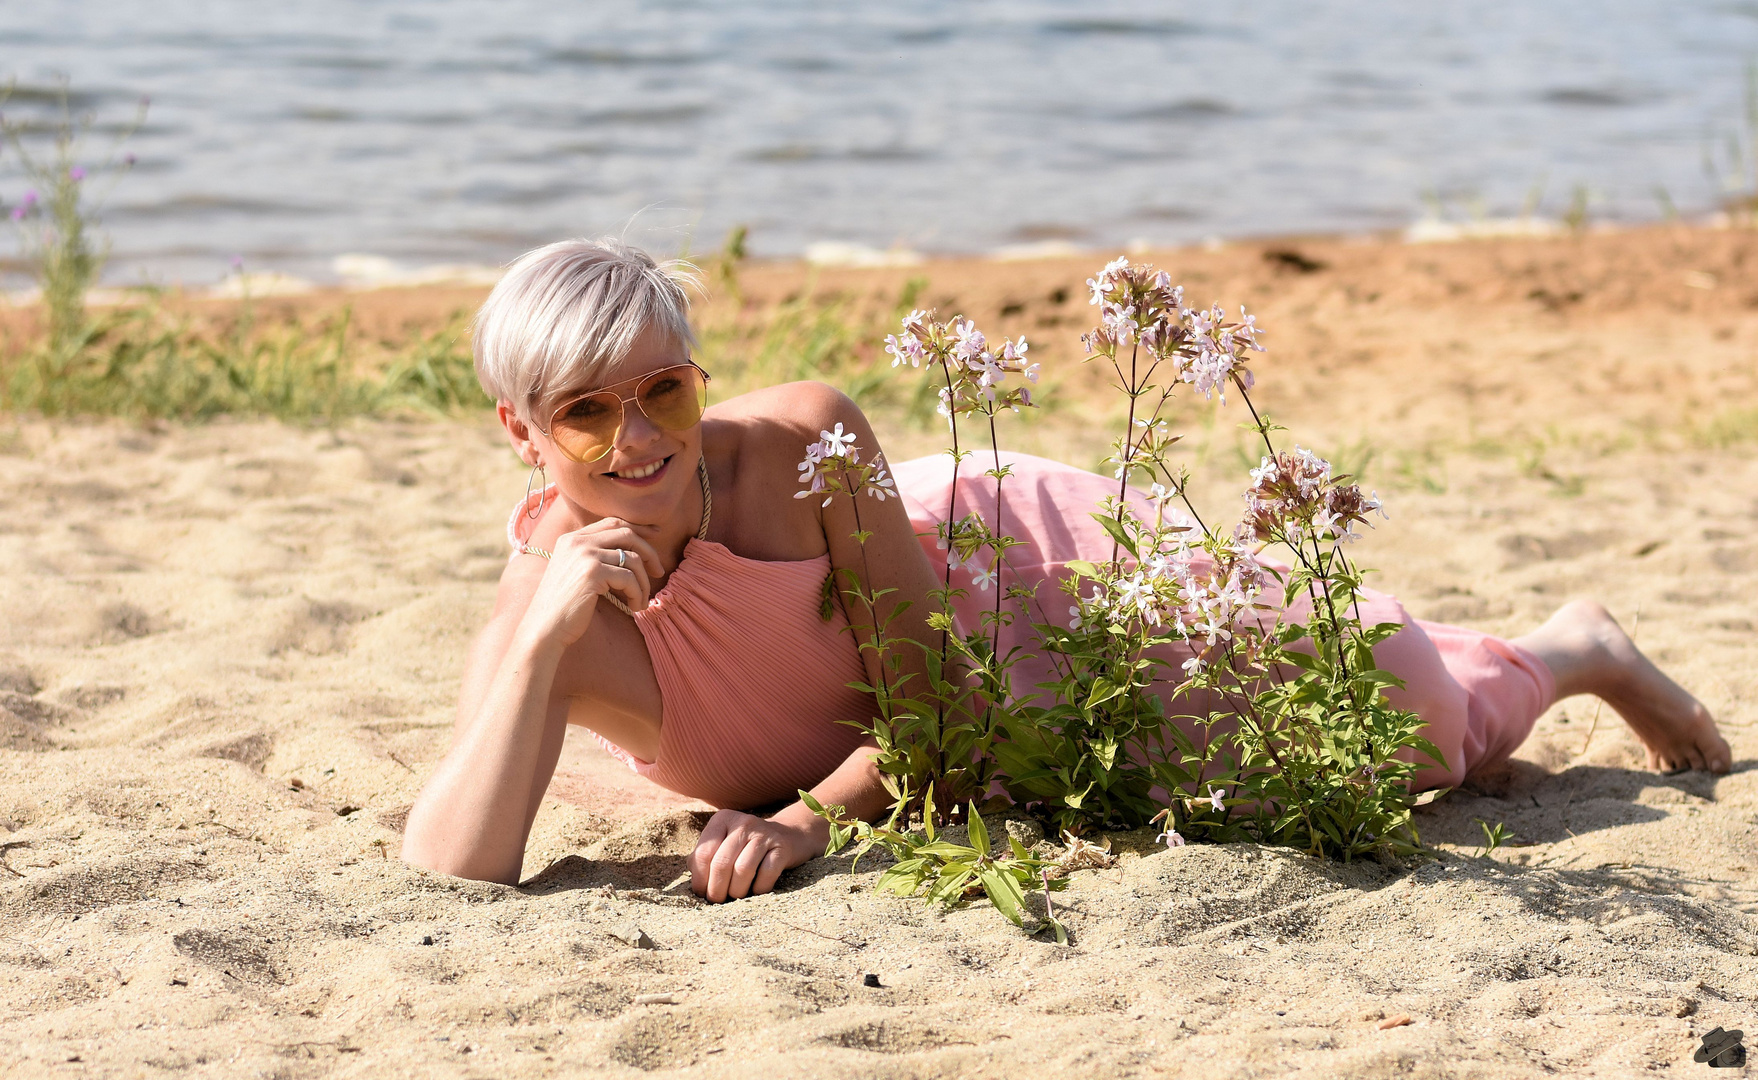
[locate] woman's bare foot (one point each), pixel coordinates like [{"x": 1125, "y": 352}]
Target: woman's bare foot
[{"x": 1589, "y": 653}]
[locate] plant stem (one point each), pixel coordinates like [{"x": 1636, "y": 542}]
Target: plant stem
[
  {"x": 951, "y": 499},
  {"x": 940, "y": 713},
  {"x": 1129, "y": 425},
  {"x": 1000, "y": 552},
  {"x": 867, "y": 598}
]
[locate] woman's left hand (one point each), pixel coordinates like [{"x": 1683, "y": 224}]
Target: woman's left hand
[{"x": 743, "y": 855}]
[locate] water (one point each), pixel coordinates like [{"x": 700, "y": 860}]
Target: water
[{"x": 470, "y": 130}]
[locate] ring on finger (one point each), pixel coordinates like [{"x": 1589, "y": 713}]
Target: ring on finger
[{"x": 622, "y": 556}]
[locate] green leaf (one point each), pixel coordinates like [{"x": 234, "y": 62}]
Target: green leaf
[
  {"x": 899, "y": 880},
  {"x": 950, "y": 888},
  {"x": 827, "y": 598},
  {"x": 1083, "y": 568},
  {"x": 1061, "y": 931},
  {"x": 1117, "y": 530},
  {"x": 946, "y": 849},
  {"x": 979, "y": 833},
  {"x": 1103, "y": 690},
  {"x": 1004, "y": 893}
]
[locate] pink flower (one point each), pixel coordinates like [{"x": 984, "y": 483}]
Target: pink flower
[{"x": 904, "y": 350}]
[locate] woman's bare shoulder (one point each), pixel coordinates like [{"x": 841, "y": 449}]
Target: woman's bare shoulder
[
  {"x": 763, "y": 436},
  {"x": 789, "y": 411}
]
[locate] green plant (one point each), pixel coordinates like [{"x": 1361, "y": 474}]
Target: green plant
[
  {"x": 1733, "y": 427},
  {"x": 151, "y": 361},
  {"x": 1493, "y": 837},
  {"x": 950, "y": 872},
  {"x": 1292, "y": 740},
  {"x": 55, "y": 219}
]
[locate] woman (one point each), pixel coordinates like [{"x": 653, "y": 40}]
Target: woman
[{"x": 665, "y": 594}]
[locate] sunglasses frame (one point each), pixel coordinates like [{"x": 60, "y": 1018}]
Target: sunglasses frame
[{"x": 623, "y": 406}]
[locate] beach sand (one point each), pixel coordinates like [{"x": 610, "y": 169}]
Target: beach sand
[{"x": 229, "y": 654}]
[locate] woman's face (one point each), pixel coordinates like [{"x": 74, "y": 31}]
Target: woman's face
[{"x": 649, "y": 475}]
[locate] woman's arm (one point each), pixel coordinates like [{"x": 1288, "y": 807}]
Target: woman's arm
[
  {"x": 475, "y": 812},
  {"x": 739, "y": 854}
]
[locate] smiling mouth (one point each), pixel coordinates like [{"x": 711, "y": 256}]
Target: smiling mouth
[{"x": 640, "y": 472}]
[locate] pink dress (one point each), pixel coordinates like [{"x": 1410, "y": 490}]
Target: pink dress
[
  {"x": 1479, "y": 695},
  {"x": 755, "y": 684}
]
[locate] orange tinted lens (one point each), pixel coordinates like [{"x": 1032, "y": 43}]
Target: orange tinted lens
[
  {"x": 586, "y": 429},
  {"x": 674, "y": 397}
]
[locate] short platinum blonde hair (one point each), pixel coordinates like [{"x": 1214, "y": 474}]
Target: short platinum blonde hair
[{"x": 565, "y": 312}]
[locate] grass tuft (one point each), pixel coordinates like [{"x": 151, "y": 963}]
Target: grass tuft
[{"x": 151, "y": 362}]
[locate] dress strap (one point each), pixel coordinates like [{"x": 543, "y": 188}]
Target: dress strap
[{"x": 707, "y": 497}]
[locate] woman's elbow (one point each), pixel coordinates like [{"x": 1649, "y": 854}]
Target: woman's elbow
[{"x": 425, "y": 850}]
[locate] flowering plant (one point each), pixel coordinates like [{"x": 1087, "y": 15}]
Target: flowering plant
[
  {"x": 53, "y": 217},
  {"x": 1199, "y": 682}
]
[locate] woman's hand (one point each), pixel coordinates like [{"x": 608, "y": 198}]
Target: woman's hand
[
  {"x": 584, "y": 568},
  {"x": 742, "y": 855}
]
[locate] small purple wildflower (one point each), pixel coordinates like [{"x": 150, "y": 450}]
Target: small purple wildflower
[{"x": 76, "y": 174}]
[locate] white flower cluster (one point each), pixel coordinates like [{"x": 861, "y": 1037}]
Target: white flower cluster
[
  {"x": 1139, "y": 304},
  {"x": 833, "y": 464},
  {"x": 1294, "y": 497},
  {"x": 1193, "y": 592},
  {"x": 977, "y": 373}
]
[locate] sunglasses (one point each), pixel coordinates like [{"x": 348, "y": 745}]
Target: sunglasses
[{"x": 673, "y": 398}]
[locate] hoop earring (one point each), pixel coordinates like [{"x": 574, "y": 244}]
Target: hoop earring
[{"x": 535, "y": 469}]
